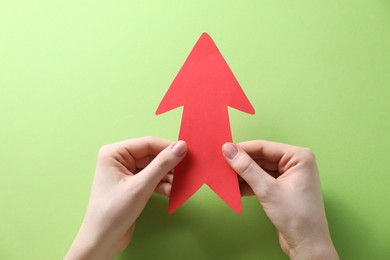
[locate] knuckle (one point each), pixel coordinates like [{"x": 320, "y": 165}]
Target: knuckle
[
  {"x": 307, "y": 154},
  {"x": 105, "y": 151},
  {"x": 243, "y": 165},
  {"x": 150, "y": 139}
]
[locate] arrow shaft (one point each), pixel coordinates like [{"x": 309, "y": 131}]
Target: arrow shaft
[
  {"x": 205, "y": 136},
  {"x": 203, "y": 128},
  {"x": 204, "y": 163}
]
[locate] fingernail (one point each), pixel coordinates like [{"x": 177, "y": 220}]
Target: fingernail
[
  {"x": 229, "y": 150},
  {"x": 179, "y": 148}
]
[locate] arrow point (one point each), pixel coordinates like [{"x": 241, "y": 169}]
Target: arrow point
[
  {"x": 158, "y": 112},
  {"x": 252, "y": 111},
  {"x": 229, "y": 192},
  {"x": 205, "y": 34},
  {"x": 238, "y": 209},
  {"x": 171, "y": 210}
]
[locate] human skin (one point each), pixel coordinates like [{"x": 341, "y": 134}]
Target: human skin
[
  {"x": 286, "y": 182},
  {"x": 127, "y": 174},
  {"x": 284, "y": 178}
]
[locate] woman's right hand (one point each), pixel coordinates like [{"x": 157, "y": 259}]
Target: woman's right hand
[{"x": 285, "y": 180}]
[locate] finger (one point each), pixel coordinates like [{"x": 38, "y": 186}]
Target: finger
[
  {"x": 164, "y": 188},
  {"x": 266, "y": 150},
  {"x": 253, "y": 174},
  {"x": 162, "y": 164},
  {"x": 133, "y": 153},
  {"x": 143, "y": 146},
  {"x": 284, "y": 156}
]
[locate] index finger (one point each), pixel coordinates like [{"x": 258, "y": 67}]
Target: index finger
[
  {"x": 142, "y": 147},
  {"x": 267, "y": 150},
  {"x": 131, "y": 151}
]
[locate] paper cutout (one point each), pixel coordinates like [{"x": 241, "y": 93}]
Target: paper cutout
[{"x": 205, "y": 86}]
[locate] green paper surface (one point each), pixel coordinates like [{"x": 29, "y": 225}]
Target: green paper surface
[{"x": 75, "y": 75}]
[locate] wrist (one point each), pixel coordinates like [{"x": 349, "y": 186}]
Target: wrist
[
  {"x": 90, "y": 244},
  {"x": 320, "y": 249}
]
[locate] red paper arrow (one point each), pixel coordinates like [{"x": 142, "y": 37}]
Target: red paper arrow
[{"x": 205, "y": 86}]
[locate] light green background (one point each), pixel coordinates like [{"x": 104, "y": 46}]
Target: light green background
[{"x": 75, "y": 75}]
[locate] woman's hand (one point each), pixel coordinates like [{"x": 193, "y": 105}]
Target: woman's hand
[
  {"x": 126, "y": 175},
  {"x": 285, "y": 180}
]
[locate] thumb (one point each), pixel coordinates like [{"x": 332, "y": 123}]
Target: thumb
[
  {"x": 164, "y": 162},
  {"x": 259, "y": 180}
]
